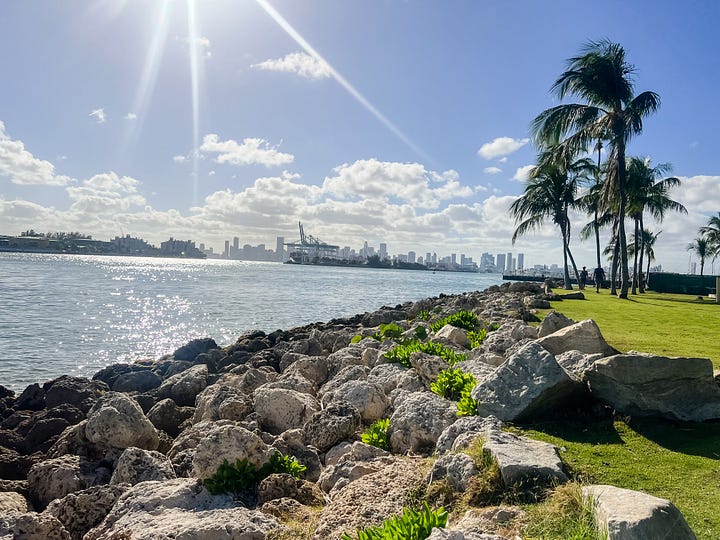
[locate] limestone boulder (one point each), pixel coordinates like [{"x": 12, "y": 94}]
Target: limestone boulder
[
  {"x": 623, "y": 514},
  {"x": 137, "y": 381},
  {"x": 14, "y": 466},
  {"x": 646, "y": 385},
  {"x": 278, "y": 486},
  {"x": 388, "y": 376},
  {"x": 367, "y": 397},
  {"x": 184, "y": 387},
  {"x": 453, "y": 335},
  {"x": 428, "y": 366},
  {"x": 333, "y": 424},
  {"x": 12, "y": 503},
  {"x": 312, "y": 368},
  {"x": 167, "y": 416},
  {"x": 117, "y": 421},
  {"x": 353, "y": 451},
  {"x": 294, "y": 381},
  {"x": 82, "y": 510},
  {"x": 457, "y": 469},
  {"x": 524, "y": 462},
  {"x": 281, "y": 409},
  {"x": 137, "y": 465},
  {"x": 346, "y": 374},
  {"x": 584, "y": 336},
  {"x": 553, "y": 322},
  {"x": 418, "y": 422},
  {"x": 54, "y": 478},
  {"x": 227, "y": 442},
  {"x": 32, "y": 526},
  {"x": 181, "y": 508},
  {"x": 222, "y": 400},
  {"x": 489, "y": 358},
  {"x": 476, "y": 368},
  {"x": 576, "y": 363},
  {"x": 189, "y": 351},
  {"x": 476, "y": 426},
  {"x": 531, "y": 383},
  {"x": 77, "y": 391},
  {"x": 182, "y": 450}
]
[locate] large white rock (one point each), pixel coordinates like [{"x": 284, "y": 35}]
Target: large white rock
[
  {"x": 584, "y": 336},
  {"x": 624, "y": 514},
  {"x": 418, "y": 422},
  {"x": 457, "y": 469},
  {"x": 117, "y": 421},
  {"x": 282, "y": 409},
  {"x": 31, "y": 526},
  {"x": 181, "y": 509},
  {"x": 530, "y": 383},
  {"x": 641, "y": 384},
  {"x": 55, "y": 478},
  {"x": 12, "y": 503},
  {"x": 335, "y": 423},
  {"x": 467, "y": 425},
  {"x": 553, "y": 322},
  {"x": 136, "y": 465},
  {"x": 454, "y": 335},
  {"x": 222, "y": 401},
  {"x": 184, "y": 387},
  {"x": 367, "y": 397},
  {"x": 82, "y": 510},
  {"x": 227, "y": 442}
]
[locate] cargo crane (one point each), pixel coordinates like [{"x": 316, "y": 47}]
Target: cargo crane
[{"x": 310, "y": 249}]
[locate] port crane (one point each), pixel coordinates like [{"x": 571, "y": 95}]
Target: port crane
[{"x": 310, "y": 249}]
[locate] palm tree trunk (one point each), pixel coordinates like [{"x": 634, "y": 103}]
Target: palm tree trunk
[
  {"x": 622, "y": 173},
  {"x": 635, "y": 262},
  {"x": 595, "y": 221},
  {"x": 614, "y": 264},
  {"x": 702, "y": 265},
  {"x": 566, "y": 273},
  {"x": 648, "y": 267},
  {"x": 642, "y": 254}
]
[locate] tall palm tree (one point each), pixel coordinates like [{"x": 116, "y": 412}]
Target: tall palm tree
[
  {"x": 550, "y": 192},
  {"x": 648, "y": 191},
  {"x": 647, "y": 244},
  {"x": 611, "y": 111},
  {"x": 701, "y": 248},
  {"x": 712, "y": 232}
]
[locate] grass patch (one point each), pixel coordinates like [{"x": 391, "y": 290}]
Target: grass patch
[
  {"x": 563, "y": 515},
  {"x": 658, "y": 323},
  {"x": 679, "y": 462}
]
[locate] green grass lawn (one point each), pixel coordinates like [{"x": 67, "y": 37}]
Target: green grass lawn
[
  {"x": 679, "y": 462},
  {"x": 664, "y": 324}
]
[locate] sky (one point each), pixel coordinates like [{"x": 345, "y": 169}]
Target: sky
[{"x": 404, "y": 122}]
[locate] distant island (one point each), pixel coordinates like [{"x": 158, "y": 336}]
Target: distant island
[{"x": 76, "y": 243}]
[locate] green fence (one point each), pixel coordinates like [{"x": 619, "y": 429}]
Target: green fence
[{"x": 681, "y": 283}]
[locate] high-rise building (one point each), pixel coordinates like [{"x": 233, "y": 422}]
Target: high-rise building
[
  {"x": 500, "y": 262},
  {"x": 226, "y": 253},
  {"x": 411, "y": 256},
  {"x": 487, "y": 262},
  {"x": 462, "y": 259},
  {"x": 280, "y": 248},
  {"x": 383, "y": 251},
  {"x": 428, "y": 258},
  {"x": 508, "y": 263},
  {"x": 453, "y": 258},
  {"x": 521, "y": 261}
]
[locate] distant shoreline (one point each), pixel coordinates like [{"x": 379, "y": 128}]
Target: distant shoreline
[{"x": 41, "y": 251}]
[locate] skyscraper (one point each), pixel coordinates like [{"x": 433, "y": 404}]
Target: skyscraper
[
  {"x": 383, "y": 251},
  {"x": 500, "y": 262},
  {"x": 521, "y": 261},
  {"x": 508, "y": 263},
  {"x": 279, "y": 248}
]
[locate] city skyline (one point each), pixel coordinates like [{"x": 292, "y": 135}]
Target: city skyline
[{"x": 404, "y": 122}]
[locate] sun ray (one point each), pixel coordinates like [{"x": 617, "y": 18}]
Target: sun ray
[
  {"x": 288, "y": 28},
  {"x": 195, "y": 89}
]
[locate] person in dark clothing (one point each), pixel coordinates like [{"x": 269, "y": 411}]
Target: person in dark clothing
[
  {"x": 598, "y": 277},
  {"x": 583, "y": 277}
]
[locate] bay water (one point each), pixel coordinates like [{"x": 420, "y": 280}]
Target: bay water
[{"x": 74, "y": 314}]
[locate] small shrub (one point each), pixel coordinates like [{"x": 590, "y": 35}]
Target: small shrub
[
  {"x": 243, "y": 475},
  {"x": 377, "y": 434},
  {"x": 476, "y": 337},
  {"x": 390, "y": 330},
  {"x": 423, "y": 315},
  {"x": 466, "y": 406},
  {"x": 280, "y": 463},
  {"x": 461, "y": 319},
  {"x": 356, "y": 338},
  {"x": 401, "y": 353},
  {"x": 421, "y": 332},
  {"x": 563, "y": 515},
  {"x": 451, "y": 383},
  {"x": 411, "y": 525}
]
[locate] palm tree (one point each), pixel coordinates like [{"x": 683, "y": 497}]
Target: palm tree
[
  {"x": 702, "y": 248},
  {"x": 712, "y": 232},
  {"x": 550, "y": 192},
  {"x": 647, "y": 244},
  {"x": 648, "y": 191},
  {"x": 602, "y": 78}
]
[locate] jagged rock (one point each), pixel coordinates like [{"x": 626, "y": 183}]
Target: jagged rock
[
  {"x": 428, "y": 366},
  {"x": 167, "y": 416},
  {"x": 335, "y": 477},
  {"x": 181, "y": 508},
  {"x": 355, "y": 451},
  {"x": 624, "y": 514},
  {"x": 577, "y": 363},
  {"x": 31, "y": 399},
  {"x": 530, "y": 383},
  {"x": 137, "y": 465},
  {"x": 489, "y": 358},
  {"x": 43, "y": 434},
  {"x": 18, "y": 486},
  {"x": 388, "y": 376},
  {"x": 474, "y": 425},
  {"x": 370, "y": 499},
  {"x": 137, "y": 381},
  {"x": 117, "y": 421},
  {"x": 81, "y": 511},
  {"x": 282, "y": 409},
  {"x": 296, "y": 382},
  {"x": 313, "y": 368},
  {"x": 457, "y": 469},
  {"x": 418, "y": 422},
  {"x": 347, "y": 357},
  {"x": 525, "y": 462},
  {"x": 278, "y": 486},
  {"x": 77, "y": 391},
  {"x": 222, "y": 401},
  {"x": 336, "y": 422},
  {"x": 227, "y": 442},
  {"x": 476, "y": 368},
  {"x": 484, "y": 524},
  {"x": 182, "y": 451},
  {"x": 32, "y": 526},
  {"x": 645, "y": 385},
  {"x": 12, "y": 503},
  {"x": 368, "y": 398},
  {"x": 74, "y": 441},
  {"x": 254, "y": 378},
  {"x": 190, "y": 350},
  {"x": 292, "y": 443},
  {"x": 383, "y": 316},
  {"x": 584, "y": 336},
  {"x": 55, "y": 478},
  {"x": 184, "y": 387},
  {"x": 553, "y": 322},
  {"x": 346, "y": 374},
  {"x": 452, "y": 335},
  {"x": 14, "y": 466}
]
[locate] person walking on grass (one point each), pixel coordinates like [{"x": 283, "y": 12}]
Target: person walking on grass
[
  {"x": 598, "y": 277},
  {"x": 583, "y": 277}
]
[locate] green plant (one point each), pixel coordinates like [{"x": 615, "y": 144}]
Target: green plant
[
  {"x": 467, "y": 406},
  {"x": 356, "y": 338},
  {"x": 377, "y": 434},
  {"x": 411, "y": 525},
  {"x": 461, "y": 319},
  {"x": 390, "y": 330},
  {"x": 423, "y": 315},
  {"x": 451, "y": 383},
  {"x": 476, "y": 337},
  {"x": 243, "y": 475},
  {"x": 401, "y": 353},
  {"x": 421, "y": 332},
  {"x": 563, "y": 515}
]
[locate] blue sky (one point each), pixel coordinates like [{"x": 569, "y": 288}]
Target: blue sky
[{"x": 386, "y": 121}]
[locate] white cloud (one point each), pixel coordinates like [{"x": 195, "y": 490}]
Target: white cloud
[
  {"x": 211, "y": 173},
  {"x": 98, "y": 115},
  {"x": 410, "y": 182},
  {"x": 180, "y": 159},
  {"x": 502, "y": 146},
  {"x": 492, "y": 170},
  {"x": 251, "y": 151},
  {"x": 299, "y": 63},
  {"x": 22, "y": 167},
  {"x": 503, "y": 160},
  {"x": 521, "y": 174},
  {"x": 130, "y": 116},
  {"x": 105, "y": 193}
]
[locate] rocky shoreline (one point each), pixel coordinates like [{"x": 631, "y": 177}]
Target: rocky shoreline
[{"x": 124, "y": 455}]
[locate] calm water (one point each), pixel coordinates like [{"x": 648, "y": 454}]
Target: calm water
[{"x": 73, "y": 315}]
